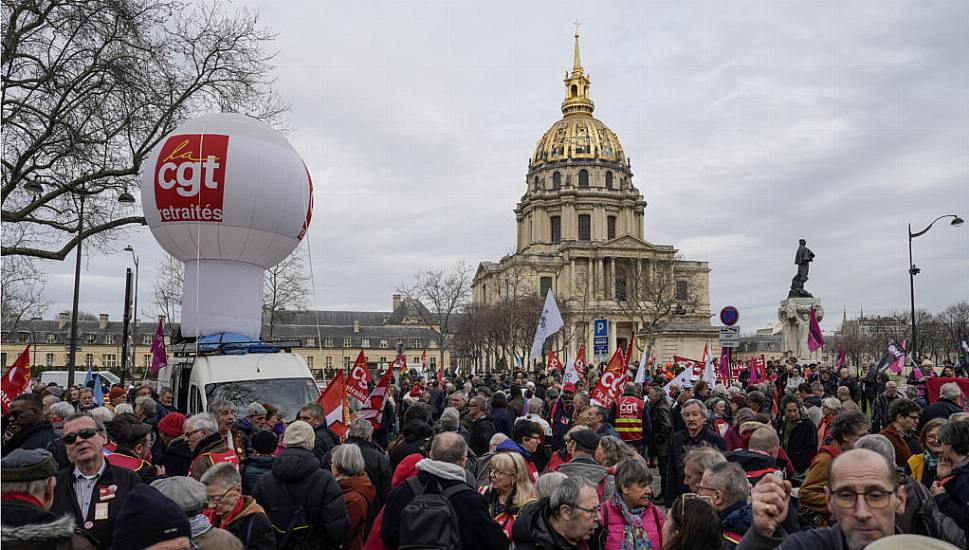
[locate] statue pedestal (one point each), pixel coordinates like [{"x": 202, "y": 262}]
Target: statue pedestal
[{"x": 795, "y": 317}]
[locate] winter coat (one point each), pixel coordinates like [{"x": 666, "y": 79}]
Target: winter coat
[
  {"x": 39, "y": 436},
  {"x": 503, "y": 420},
  {"x": 512, "y": 446},
  {"x": 176, "y": 457},
  {"x": 811, "y": 494},
  {"x": 377, "y": 466},
  {"x": 480, "y": 435},
  {"x": 899, "y": 441},
  {"x": 916, "y": 465},
  {"x": 802, "y": 444},
  {"x": 201, "y": 462},
  {"x": 614, "y": 523},
  {"x": 478, "y": 529},
  {"x": 29, "y": 527},
  {"x": 659, "y": 415},
  {"x": 681, "y": 444},
  {"x": 252, "y": 470},
  {"x": 252, "y": 527},
  {"x": 242, "y": 432},
  {"x": 296, "y": 478},
  {"x": 325, "y": 440},
  {"x": 733, "y": 439},
  {"x": 65, "y": 500},
  {"x": 359, "y": 496},
  {"x": 532, "y": 530},
  {"x": 413, "y": 437},
  {"x": 217, "y": 539},
  {"x": 829, "y": 538},
  {"x": 597, "y": 474},
  {"x": 942, "y": 408},
  {"x": 880, "y": 412},
  {"x": 923, "y": 517},
  {"x": 954, "y": 502},
  {"x": 735, "y": 520},
  {"x": 561, "y": 420}
]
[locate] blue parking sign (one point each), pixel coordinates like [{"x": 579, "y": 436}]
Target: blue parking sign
[{"x": 601, "y": 327}]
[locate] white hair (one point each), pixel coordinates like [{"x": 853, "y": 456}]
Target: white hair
[
  {"x": 496, "y": 440},
  {"x": 950, "y": 391},
  {"x": 202, "y": 421},
  {"x": 123, "y": 408},
  {"x": 103, "y": 414}
]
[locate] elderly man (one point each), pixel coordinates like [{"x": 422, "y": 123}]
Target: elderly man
[
  {"x": 863, "y": 493},
  {"x": 237, "y": 514},
  {"x": 879, "y": 416},
  {"x": 726, "y": 485},
  {"x": 760, "y": 456},
  {"x": 207, "y": 444},
  {"x": 133, "y": 439},
  {"x": 561, "y": 415},
  {"x": 847, "y": 428},
  {"x": 93, "y": 491},
  {"x": 695, "y": 434},
  {"x": 697, "y": 461},
  {"x": 482, "y": 426},
  {"x": 325, "y": 439},
  {"x": 534, "y": 413},
  {"x": 566, "y": 519},
  {"x": 459, "y": 401},
  {"x": 582, "y": 446},
  {"x": 948, "y": 403}
]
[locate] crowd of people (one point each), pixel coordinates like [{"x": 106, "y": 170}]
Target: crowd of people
[{"x": 802, "y": 459}]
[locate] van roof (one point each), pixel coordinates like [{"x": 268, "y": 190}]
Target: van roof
[{"x": 213, "y": 369}]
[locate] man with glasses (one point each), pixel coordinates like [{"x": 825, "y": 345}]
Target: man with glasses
[
  {"x": 325, "y": 439},
  {"x": 240, "y": 515},
  {"x": 863, "y": 493},
  {"x": 726, "y": 485},
  {"x": 904, "y": 416},
  {"x": 482, "y": 426},
  {"x": 207, "y": 444},
  {"x": 566, "y": 519},
  {"x": 93, "y": 490}
]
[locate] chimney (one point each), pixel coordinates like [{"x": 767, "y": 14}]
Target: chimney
[
  {"x": 356, "y": 326},
  {"x": 62, "y": 319},
  {"x": 396, "y": 302},
  {"x": 103, "y": 321}
]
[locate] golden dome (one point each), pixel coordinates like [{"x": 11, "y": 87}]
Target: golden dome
[{"x": 578, "y": 136}]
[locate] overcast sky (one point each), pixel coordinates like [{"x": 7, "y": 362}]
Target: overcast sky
[{"x": 749, "y": 125}]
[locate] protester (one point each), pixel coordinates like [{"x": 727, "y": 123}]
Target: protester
[
  {"x": 358, "y": 493},
  {"x": 692, "y": 524},
  {"x": 697, "y": 461},
  {"x": 150, "y": 520},
  {"x": 483, "y": 467},
  {"x": 879, "y": 416},
  {"x": 903, "y": 418},
  {"x": 509, "y": 490},
  {"x": 727, "y": 487},
  {"x": 566, "y": 519},
  {"x": 325, "y": 439},
  {"x": 629, "y": 517},
  {"x": 658, "y": 445},
  {"x": 830, "y": 408},
  {"x": 133, "y": 438},
  {"x": 376, "y": 464},
  {"x": 499, "y": 414},
  {"x": 535, "y": 406},
  {"x": 923, "y": 466},
  {"x": 798, "y": 434},
  {"x": 946, "y": 405},
  {"x": 526, "y": 437},
  {"x": 244, "y": 428},
  {"x": 612, "y": 450},
  {"x": 236, "y": 513},
  {"x": 951, "y": 490},
  {"x": 695, "y": 433},
  {"x": 847, "y": 428},
  {"x": 190, "y": 495},
  {"x": 207, "y": 444},
  {"x": 31, "y": 429},
  {"x": 561, "y": 415},
  {"x": 176, "y": 455},
  {"x": 582, "y": 445},
  {"x": 259, "y": 461},
  {"x": 414, "y": 434}
]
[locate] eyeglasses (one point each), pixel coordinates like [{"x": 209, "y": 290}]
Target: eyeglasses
[
  {"x": 914, "y": 417},
  {"x": 218, "y": 498},
  {"x": 86, "y": 433},
  {"x": 594, "y": 511},
  {"x": 690, "y": 496},
  {"x": 876, "y": 498},
  {"x": 496, "y": 473}
]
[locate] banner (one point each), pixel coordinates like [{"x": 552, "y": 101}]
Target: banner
[
  {"x": 932, "y": 386},
  {"x": 695, "y": 367},
  {"x": 424, "y": 361},
  {"x": 815, "y": 337},
  {"x": 16, "y": 380},
  {"x": 571, "y": 374},
  {"x": 610, "y": 383},
  {"x": 724, "y": 364},
  {"x": 549, "y": 323},
  {"x": 356, "y": 385},
  {"x": 553, "y": 362},
  {"x": 758, "y": 369},
  {"x": 333, "y": 400},
  {"x": 580, "y": 361},
  {"x": 680, "y": 381},
  {"x": 159, "y": 358},
  {"x": 645, "y": 363}
]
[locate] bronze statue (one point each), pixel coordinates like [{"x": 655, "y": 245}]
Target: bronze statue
[{"x": 802, "y": 259}]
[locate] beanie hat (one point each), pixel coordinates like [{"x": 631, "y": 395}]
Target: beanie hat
[
  {"x": 172, "y": 424},
  {"x": 255, "y": 409},
  {"x": 299, "y": 434},
  {"x": 265, "y": 442},
  {"x": 188, "y": 492},
  {"x": 586, "y": 440},
  {"x": 56, "y": 391},
  {"x": 23, "y": 465},
  {"x": 116, "y": 392},
  {"x": 148, "y": 517}
]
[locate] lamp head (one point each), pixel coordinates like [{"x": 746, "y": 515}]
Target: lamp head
[
  {"x": 129, "y": 249},
  {"x": 126, "y": 198},
  {"x": 34, "y": 187},
  {"x": 957, "y": 221}
]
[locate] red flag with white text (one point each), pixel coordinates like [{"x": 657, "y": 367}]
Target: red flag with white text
[
  {"x": 611, "y": 382},
  {"x": 553, "y": 362},
  {"x": 579, "y": 364},
  {"x": 374, "y": 405},
  {"x": 16, "y": 380},
  {"x": 424, "y": 360},
  {"x": 357, "y": 382},
  {"x": 333, "y": 400}
]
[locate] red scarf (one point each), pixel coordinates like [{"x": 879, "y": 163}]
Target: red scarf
[
  {"x": 236, "y": 510},
  {"x": 23, "y": 497}
]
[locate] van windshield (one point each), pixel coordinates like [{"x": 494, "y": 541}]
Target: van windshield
[{"x": 289, "y": 394}]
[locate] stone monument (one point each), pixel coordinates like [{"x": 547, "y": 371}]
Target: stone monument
[{"x": 794, "y": 313}]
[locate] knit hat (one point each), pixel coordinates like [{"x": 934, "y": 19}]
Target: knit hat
[
  {"x": 172, "y": 424},
  {"x": 128, "y": 429},
  {"x": 299, "y": 434},
  {"x": 255, "y": 409},
  {"x": 148, "y": 517},
  {"x": 188, "y": 492},
  {"x": 116, "y": 392},
  {"x": 56, "y": 391},
  {"x": 28, "y": 465},
  {"x": 586, "y": 440},
  {"x": 265, "y": 442}
]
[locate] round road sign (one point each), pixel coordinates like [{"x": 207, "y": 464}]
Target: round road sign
[{"x": 729, "y": 316}]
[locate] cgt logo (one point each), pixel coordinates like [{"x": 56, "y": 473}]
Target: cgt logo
[{"x": 190, "y": 178}]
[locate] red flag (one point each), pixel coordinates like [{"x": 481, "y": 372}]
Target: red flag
[
  {"x": 440, "y": 377},
  {"x": 357, "y": 382},
  {"x": 374, "y": 405},
  {"x": 758, "y": 369},
  {"x": 159, "y": 359},
  {"x": 724, "y": 363},
  {"x": 579, "y": 363},
  {"x": 16, "y": 380},
  {"x": 841, "y": 361},
  {"x": 610, "y": 383},
  {"x": 688, "y": 363},
  {"x": 400, "y": 362},
  {"x": 333, "y": 400},
  {"x": 815, "y": 337},
  {"x": 553, "y": 362},
  {"x": 424, "y": 361}
]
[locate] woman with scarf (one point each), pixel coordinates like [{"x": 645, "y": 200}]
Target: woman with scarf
[
  {"x": 510, "y": 489},
  {"x": 925, "y": 465},
  {"x": 629, "y": 517},
  {"x": 830, "y": 408},
  {"x": 799, "y": 437}
]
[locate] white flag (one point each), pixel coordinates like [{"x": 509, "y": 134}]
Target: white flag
[
  {"x": 641, "y": 372},
  {"x": 680, "y": 380},
  {"x": 550, "y": 323},
  {"x": 570, "y": 374}
]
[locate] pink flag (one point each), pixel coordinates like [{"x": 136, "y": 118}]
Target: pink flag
[
  {"x": 159, "y": 359},
  {"x": 898, "y": 352},
  {"x": 724, "y": 363},
  {"x": 815, "y": 338},
  {"x": 842, "y": 361}
]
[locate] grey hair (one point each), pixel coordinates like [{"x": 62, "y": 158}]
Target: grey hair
[
  {"x": 450, "y": 419},
  {"x": 732, "y": 480},
  {"x": 36, "y": 487},
  {"x": 97, "y": 421},
  {"x": 220, "y": 405},
  {"x": 615, "y": 450},
  {"x": 535, "y": 405},
  {"x": 62, "y": 409},
  {"x": 496, "y": 440},
  {"x": 123, "y": 408},
  {"x": 878, "y": 443},
  {"x": 832, "y": 403},
  {"x": 361, "y": 428},
  {"x": 697, "y": 402},
  {"x": 567, "y": 493},
  {"x": 202, "y": 421},
  {"x": 147, "y": 404},
  {"x": 348, "y": 460},
  {"x": 547, "y": 483},
  {"x": 703, "y": 458},
  {"x": 480, "y": 402},
  {"x": 815, "y": 386},
  {"x": 223, "y": 473},
  {"x": 101, "y": 414},
  {"x": 950, "y": 391},
  {"x": 449, "y": 447},
  {"x": 315, "y": 410},
  {"x": 50, "y": 399}
]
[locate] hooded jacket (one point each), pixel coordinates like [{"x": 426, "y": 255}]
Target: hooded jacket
[
  {"x": 359, "y": 496},
  {"x": 597, "y": 474},
  {"x": 735, "y": 520},
  {"x": 413, "y": 436},
  {"x": 802, "y": 443},
  {"x": 297, "y": 479},
  {"x": 532, "y": 530},
  {"x": 29, "y": 527},
  {"x": 253, "y": 468}
]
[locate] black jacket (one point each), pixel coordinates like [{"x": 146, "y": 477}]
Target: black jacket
[
  {"x": 479, "y": 437},
  {"x": 802, "y": 445},
  {"x": 940, "y": 409},
  {"x": 954, "y": 502},
  {"x": 681, "y": 443},
  {"x": 413, "y": 436},
  {"x": 377, "y": 466},
  {"x": 296, "y": 478},
  {"x": 829, "y": 538},
  {"x": 532, "y": 530},
  {"x": 879, "y": 416},
  {"x": 65, "y": 499},
  {"x": 176, "y": 457},
  {"x": 325, "y": 440},
  {"x": 252, "y": 527},
  {"x": 659, "y": 415},
  {"x": 39, "y": 436},
  {"x": 27, "y": 527},
  {"x": 478, "y": 529}
]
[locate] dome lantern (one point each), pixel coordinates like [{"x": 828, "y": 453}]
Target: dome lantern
[{"x": 577, "y": 87}]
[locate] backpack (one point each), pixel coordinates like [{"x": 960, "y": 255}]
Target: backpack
[
  {"x": 429, "y": 521},
  {"x": 289, "y": 523}
]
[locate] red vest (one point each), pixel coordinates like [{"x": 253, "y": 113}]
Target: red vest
[
  {"x": 629, "y": 420},
  {"x": 124, "y": 461},
  {"x": 230, "y": 456}
]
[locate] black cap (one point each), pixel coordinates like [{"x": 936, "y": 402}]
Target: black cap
[{"x": 586, "y": 440}]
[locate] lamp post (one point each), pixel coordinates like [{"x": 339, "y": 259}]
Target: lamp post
[
  {"x": 134, "y": 328},
  {"x": 913, "y": 271}
]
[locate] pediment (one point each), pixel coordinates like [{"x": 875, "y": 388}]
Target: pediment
[{"x": 629, "y": 242}]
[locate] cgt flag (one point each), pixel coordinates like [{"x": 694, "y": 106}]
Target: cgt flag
[
  {"x": 374, "y": 405},
  {"x": 333, "y": 400},
  {"x": 758, "y": 369},
  {"x": 357, "y": 382},
  {"x": 580, "y": 362},
  {"x": 424, "y": 361},
  {"x": 815, "y": 337},
  {"x": 16, "y": 380},
  {"x": 159, "y": 358},
  {"x": 610, "y": 383},
  {"x": 553, "y": 362},
  {"x": 548, "y": 324}
]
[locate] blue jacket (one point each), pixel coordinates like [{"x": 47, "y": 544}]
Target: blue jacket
[
  {"x": 503, "y": 420},
  {"x": 735, "y": 521}
]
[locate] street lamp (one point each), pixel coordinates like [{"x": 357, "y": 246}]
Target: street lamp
[
  {"x": 134, "y": 329},
  {"x": 913, "y": 271}
]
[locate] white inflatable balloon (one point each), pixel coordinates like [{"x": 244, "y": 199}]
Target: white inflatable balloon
[{"x": 228, "y": 196}]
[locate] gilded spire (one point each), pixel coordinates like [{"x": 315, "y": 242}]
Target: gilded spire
[
  {"x": 577, "y": 85},
  {"x": 576, "y": 60}
]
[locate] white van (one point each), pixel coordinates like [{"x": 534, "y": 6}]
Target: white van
[
  {"x": 60, "y": 377},
  {"x": 280, "y": 377}
]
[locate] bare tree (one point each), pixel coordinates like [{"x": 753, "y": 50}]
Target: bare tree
[
  {"x": 284, "y": 287},
  {"x": 90, "y": 87},
  {"x": 955, "y": 325},
  {"x": 446, "y": 292},
  {"x": 22, "y": 291},
  {"x": 167, "y": 288}
]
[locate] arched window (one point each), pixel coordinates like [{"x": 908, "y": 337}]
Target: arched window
[
  {"x": 608, "y": 180},
  {"x": 556, "y": 180},
  {"x": 575, "y": 90},
  {"x": 583, "y": 178},
  {"x": 536, "y": 183}
]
